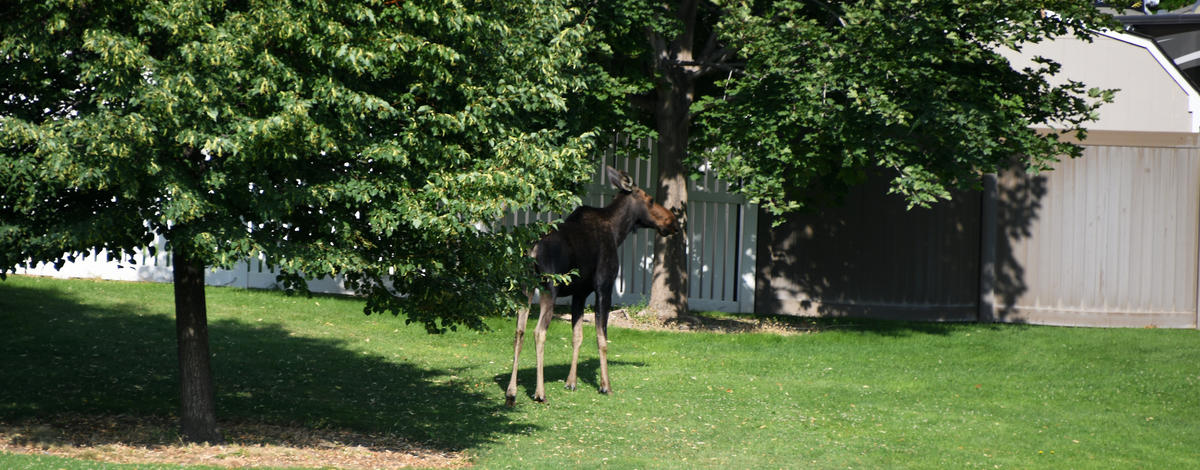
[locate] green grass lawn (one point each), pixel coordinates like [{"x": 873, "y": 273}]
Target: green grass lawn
[{"x": 855, "y": 394}]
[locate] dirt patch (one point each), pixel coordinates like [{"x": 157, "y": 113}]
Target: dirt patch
[
  {"x": 145, "y": 440},
  {"x": 622, "y": 318}
]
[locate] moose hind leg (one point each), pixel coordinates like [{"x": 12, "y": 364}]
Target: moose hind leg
[
  {"x": 577, "y": 304},
  {"x": 539, "y": 333}
]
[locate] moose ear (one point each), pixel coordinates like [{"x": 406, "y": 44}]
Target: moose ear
[{"x": 620, "y": 179}]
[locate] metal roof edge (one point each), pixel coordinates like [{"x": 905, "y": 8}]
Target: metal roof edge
[{"x": 1161, "y": 19}]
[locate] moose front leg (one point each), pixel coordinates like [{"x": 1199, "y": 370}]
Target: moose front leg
[{"x": 603, "y": 304}]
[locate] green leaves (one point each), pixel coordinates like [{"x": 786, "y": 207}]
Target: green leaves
[
  {"x": 915, "y": 90},
  {"x": 371, "y": 139}
]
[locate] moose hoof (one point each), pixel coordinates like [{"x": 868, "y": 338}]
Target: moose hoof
[
  {"x": 541, "y": 399},
  {"x": 510, "y": 401},
  {"x": 605, "y": 391},
  {"x": 570, "y": 387}
]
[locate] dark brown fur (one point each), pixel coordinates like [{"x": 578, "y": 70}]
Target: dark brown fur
[{"x": 587, "y": 241}]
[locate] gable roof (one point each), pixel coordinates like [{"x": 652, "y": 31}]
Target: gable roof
[{"x": 1153, "y": 96}]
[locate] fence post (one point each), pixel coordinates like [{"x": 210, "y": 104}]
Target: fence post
[
  {"x": 748, "y": 253},
  {"x": 988, "y": 231}
]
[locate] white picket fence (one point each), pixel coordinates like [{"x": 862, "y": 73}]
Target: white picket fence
[
  {"x": 721, "y": 247},
  {"x": 249, "y": 274}
]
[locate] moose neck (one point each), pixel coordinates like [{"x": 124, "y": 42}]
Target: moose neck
[{"x": 621, "y": 216}]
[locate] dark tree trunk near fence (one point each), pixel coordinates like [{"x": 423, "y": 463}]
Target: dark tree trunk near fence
[
  {"x": 669, "y": 291},
  {"x": 672, "y": 112},
  {"x": 198, "y": 422}
]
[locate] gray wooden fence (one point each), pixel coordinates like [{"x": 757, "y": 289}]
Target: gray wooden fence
[
  {"x": 1109, "y": 239},
  {"x": 870, "y": 257}
]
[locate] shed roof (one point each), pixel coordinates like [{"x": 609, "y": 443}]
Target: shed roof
[
  {"x": 1154, "y": 95},
  {"x": 1176, "y": 32}
]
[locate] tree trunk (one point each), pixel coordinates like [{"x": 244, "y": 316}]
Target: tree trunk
[
  {"x": 672, "y": 113},
  {"x": 669, "y": 289},
  {"x": 198, "y": 408}
]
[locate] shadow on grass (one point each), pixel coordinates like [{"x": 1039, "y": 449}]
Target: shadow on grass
[
  {"x": 735, "y": 322},
  {"x": 61, "y": 355},
  {"x": 888, "y": 328}
]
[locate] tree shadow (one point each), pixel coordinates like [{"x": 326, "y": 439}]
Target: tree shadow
[
  {"x": 1020, "y": 202},
  {"x": 872, "y": 257},
  {"x": 880, "y": 327},
  {"x": 67, "y": 356}
]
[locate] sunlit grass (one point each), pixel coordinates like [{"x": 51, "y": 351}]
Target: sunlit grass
[{"x": 852, "y": 394}]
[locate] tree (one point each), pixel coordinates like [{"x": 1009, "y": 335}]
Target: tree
[
  {"x": 365, "y": 139},
  {"x": 793, "y": 101}
]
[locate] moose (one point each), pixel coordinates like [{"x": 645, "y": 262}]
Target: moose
[{"x": 586, "y": 242}]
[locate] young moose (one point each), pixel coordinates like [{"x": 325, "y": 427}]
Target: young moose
[{"x": 587, "y": 241}]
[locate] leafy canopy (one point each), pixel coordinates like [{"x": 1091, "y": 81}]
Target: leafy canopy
[
  {"x": 796, "y": 100},
  {"x": 362, "y": 138}
]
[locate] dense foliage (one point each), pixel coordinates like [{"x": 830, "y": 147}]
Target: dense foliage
[
  {"x": 919, "y": 91},
  {"x": 332, "y": 137},
  {"x": 793, "y": 101}
]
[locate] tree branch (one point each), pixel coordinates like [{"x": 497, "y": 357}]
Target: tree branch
[
  {"x": 829, "y": 8},
  {"x": 710, "y": 47},
  {"x": 707, "y": 66},
  {"x": 658, "y": 47},
  {"x": 643, "y": 102}
]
